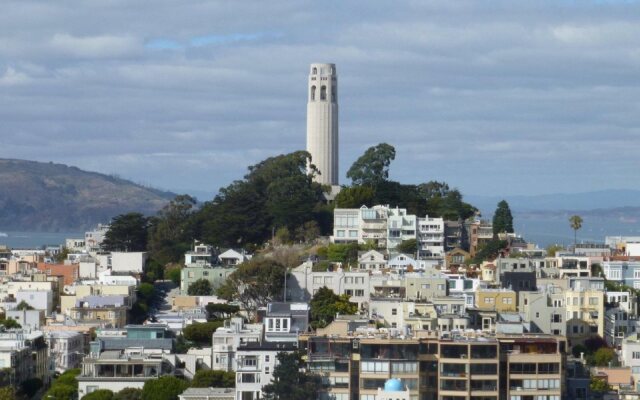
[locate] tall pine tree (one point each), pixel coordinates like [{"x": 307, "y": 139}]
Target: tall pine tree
[{"x": 502, "y": 219}]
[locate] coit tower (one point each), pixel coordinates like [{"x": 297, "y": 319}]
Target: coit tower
[{"x": 322, "y": 122}]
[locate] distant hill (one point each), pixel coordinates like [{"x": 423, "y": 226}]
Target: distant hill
[
  {"x": 600, "y": 201},
  {"x": 50, "y": 197}
]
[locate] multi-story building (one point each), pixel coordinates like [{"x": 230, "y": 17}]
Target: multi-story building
[
  {"x": 228, "y": 338},
  {"x": 620, "y": 317},
  {"x": 127, "y": 358},
  {"x": 193, "y": 272},
  {"x": 479, "y": 233},
  {"x": 303, "y": 283},
  {"x": 107, "y": 311},
  {"x": 93, "y": 239},
  {"x": 372, "y": 260},
  {"x": 626, "y": 271},
  {"x": 442, "y": 367},
  {"x": 544, "y": 310},
  {"x": 584, "y": 302},
  {"x": 66, "y": 349},
  {"x": 202, "y": 254},
  {"x": 23, "y": 356},
  {"x": 381, "y": 224},
  {"x": 255, "y": 364},
  {"x": 431, "y": 238}
]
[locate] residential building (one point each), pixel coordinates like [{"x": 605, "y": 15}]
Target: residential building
[
  {"x": 70, "y": 272},
  {"x": 93, "y": 239},
  {"x": 303, "y": 283},
  {"x": 431, "y": 238},
  {"x": 194, "y": 272},
  {"x": 66, "y": 349},
  {"x": 23, "y": 356},
  {"x": 233, "y": 258},
  {"x": 106, "y": 311},
  {"x": 284, "y": 322},
  {"x": 128, "y": 262},
  {"x": 584, "y": 301},
  {"x": 28, "y": 319},
  {"x": 202, "y": 254},
  {"x": 372, "y": 260},
  {"x": 127, "y": 358},
  {"x": 500, "y": 300},
  {"x": 255, "y": 364},
  {"x": 228, "y": 338},
  {"x": 431, "y": 366},
  {"x": 208, "y": 394}
]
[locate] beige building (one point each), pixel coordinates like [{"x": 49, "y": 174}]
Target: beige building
[
  {"x": 585, "y": 314},
  {"x": 500, "y": 300}
]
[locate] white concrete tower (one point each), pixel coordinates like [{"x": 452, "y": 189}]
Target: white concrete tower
[{"x": 322, "y": 122}]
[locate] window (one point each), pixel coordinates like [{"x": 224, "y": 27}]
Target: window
[
  {"x": 635, "y": 355},
  {"x": 323, "y": 92},
  {"x": 489, "y": 300},
  {"x": 394, "y": 311},
  {"x": 340, "y": 234},
  {"x": 593, "y": 301},
  {"x": 359, "y": 293},
  {"x": 507, "y": 300}
]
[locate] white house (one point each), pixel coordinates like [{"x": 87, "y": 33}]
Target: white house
[
  {"x": 232, "y": 257},
  {"x": 130, "y": 262}
]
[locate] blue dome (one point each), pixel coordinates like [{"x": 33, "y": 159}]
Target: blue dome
[{"x": 393, "y": 385}]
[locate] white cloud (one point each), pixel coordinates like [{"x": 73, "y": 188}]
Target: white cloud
[
  {"x": 12, "y": 77},
  {"x": 102, "y": 46}
]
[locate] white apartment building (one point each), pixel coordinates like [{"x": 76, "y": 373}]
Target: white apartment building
[
  {"x": 430, "y": 237},
  {"x": 66, "y": 349},
  {"x": 227, "y": 338},
  {"x": 255, "y": 365},
  {"x": 303, "y": 283}
]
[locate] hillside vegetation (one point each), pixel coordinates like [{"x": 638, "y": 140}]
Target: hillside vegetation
[{"x": 52, "y": 197}]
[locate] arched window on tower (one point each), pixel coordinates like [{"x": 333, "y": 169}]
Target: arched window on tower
[
  {"x": 323, "y": 92},
  {"x": 314, "y": 71},
  {"x": 313, "y": 93}
]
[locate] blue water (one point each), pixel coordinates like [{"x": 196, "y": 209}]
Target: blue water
[
  {"x": 556, "y": 230},
  {"x": 31, "y": 240},
  {"x": 542, "y": 230}
]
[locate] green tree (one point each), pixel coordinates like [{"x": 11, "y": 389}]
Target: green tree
[
  {"x": 219, "y": 311},
  {"x": 342, "y": 252},
  {"x": 200, "y": 333},
  {"x": 31, "y": 386},
  {"x": 127, "y": 232},
  {"x": 201, "y": 287},
  {"x": 102, "y": 394},
  {"x": 164, "y": 388},
  {"x": 307, "y": 232},
  {"x": 289, "y": 382},
  {"x": 61, "y": 392},
  {"x": 172, "y": 230},
  {"x": 489, "y": 251},
  {"x": 276, "y": 192},
  {"x": 7, "y": 393},
  {"x": 578, "y": 350},
  {"x": 603, "y": 356},
  {"x": 355, "y": 197},
  {"x": 409, "y": 246},
  {"x": 23, "y": 305},
  {"x": 212, "y": 378},
  {"x": 373, "y": 166},
  {"x": 128, "y": 394},
  {"x": 575, "y": 221},
  {"x": 443, "y": 202},
  {"x": 153, "y": 271},
  {"x": 62, "y": 255},
  {"x": 552, "y": 249},
  {"x": 502, "y": 219},
  {"x": 325, "y": 304},
  {"x": 599, "y": 385},
  {"x": 172, "y": 272},
  {"x": 10, "y": 323},
  {"x": 254, "y": 284},
  {"x": 146, "y": 291},
  {"x": 282, "y": 236}
]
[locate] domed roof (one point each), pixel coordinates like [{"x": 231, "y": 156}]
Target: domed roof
[{"x": 393, "y": 385}]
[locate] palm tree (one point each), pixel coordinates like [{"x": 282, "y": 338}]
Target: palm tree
[{"x": 576, "y": 223}]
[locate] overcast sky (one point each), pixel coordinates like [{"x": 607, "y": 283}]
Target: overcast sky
[{"x": 494, "y": 97}]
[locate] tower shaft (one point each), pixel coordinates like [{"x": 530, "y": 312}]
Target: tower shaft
[{"x": 322, "y": 122}]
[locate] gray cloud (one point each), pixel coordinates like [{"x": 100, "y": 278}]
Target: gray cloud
[{"x": 494, "y": 97}]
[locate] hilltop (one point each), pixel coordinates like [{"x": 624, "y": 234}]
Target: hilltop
[{"x": 51, "y": 197}]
